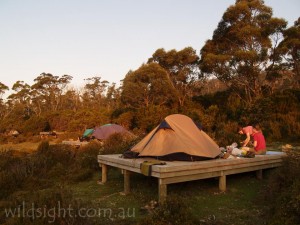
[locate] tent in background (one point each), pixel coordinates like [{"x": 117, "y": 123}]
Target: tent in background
[
  {"x": 106, "y": 130},
  {"x": 87, "y": 132},
  {"x": 177, "y": 138}
]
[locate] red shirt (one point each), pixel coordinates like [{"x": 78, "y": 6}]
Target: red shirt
[
  {"x": 248, "y": 129},
  {"x": 260, "y": 141}
]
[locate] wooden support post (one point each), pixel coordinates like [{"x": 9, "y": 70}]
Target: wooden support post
[
  {"x": 126, "y": 182},
  {"x": 104, "y": 173},
  {"x": 162, "y": 191},
  {"x": 259, "y": 174},
  {"x": 222, "y": 182}
]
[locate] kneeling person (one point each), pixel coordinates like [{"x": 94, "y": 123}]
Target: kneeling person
[{"x": 259, "y": 142}]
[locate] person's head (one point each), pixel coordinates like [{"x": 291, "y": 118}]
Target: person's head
[{"x": 240, "y": 129}]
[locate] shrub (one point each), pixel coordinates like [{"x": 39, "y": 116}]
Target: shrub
[
  {"x": 82, "y": 174},
  {"x": 50, "y": 206},
  {"x": 226, "y": 133},
  {"x": 48, "y": 165},
  {"x": 35, "y": 124},
  {"x": 87, "y": 155},
  {"x": 283, "y": 192},
  {"x": 13, "y": 172},
  {"x": 118, "y": 143},
  {"x": 174, "y": 211}
]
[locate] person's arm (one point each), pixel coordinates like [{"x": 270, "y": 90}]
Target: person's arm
[
  {"x": 247, "y": 140},
  {"x": 254, "y": 144}
]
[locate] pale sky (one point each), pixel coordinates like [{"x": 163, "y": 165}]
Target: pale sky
[{"x": 107, "y": 38}]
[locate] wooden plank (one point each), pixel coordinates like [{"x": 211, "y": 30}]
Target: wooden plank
[
  {"x": 46, "y": 133},
  {"x": 198, "y": 171},
  {"x": 249, "y": 169},
  {"x": 76, "y": 143},
  {"x": 162, "y": 191},
  {"x": 179, "y": 166},
  {"x": 214, "y": 163},
  {"x": 172, "y": 180},
  {"x": 205, "y": 170},
  {"x": 132, "y": 169},
  {"x": 178, "y": 179}
]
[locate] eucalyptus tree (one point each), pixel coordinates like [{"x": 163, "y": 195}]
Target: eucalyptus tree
[
  {"x": 290, "y": 50},
  {"x": 22, "y": 93},
  {"x": 146, "y": 86},
  {"x": 182, "y": 69},
  {"x": 3, "y": 89},
  {"x": 48, "y": 89},
  {"x": 239, "y": 53},
  {"x": 21, "y": 98},
  {"x": 94, "y": 91},
  {"x": 113, "y": 96}
]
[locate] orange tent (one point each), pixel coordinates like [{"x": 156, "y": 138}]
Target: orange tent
[{"x": 179, "y": 135}]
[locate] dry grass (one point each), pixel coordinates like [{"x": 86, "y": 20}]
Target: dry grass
[{"x": 24, "y": 147}]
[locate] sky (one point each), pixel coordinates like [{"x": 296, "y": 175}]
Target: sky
[{"x": 105, "y": 38}]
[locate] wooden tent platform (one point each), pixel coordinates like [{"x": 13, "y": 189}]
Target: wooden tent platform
[
  {"x": 181, "y": 171},
  {"x": 74, "y": 143}
]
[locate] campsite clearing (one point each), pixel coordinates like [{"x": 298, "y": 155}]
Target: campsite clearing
[{"x": 181, "y": 171}]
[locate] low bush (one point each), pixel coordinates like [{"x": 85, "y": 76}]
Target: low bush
[
  {"x": 48, "y": 165},
  {"x": 13, "y": 172},
  {"x": 174, "y": 211},
  {"x": 55, "y": 205},
  {"x": 87, "y": 155},
  {"x": 283, "y": 192},
  {"x": 118, "y": 143}
]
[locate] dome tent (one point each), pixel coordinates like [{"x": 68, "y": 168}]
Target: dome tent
[
  {"x": 107, "y": 130},
  {"x": 177, "y": 138}
]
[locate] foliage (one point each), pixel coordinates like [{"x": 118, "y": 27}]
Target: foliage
[
  {"x": 54, "y": 205},
  {"x": 182, "y": 68},
  {"x": 3, "y": 88},
  {"x": 283, "y": 191},
  {"x": 61, "y": 163},
  {"x": 289, "y": 48},
  {"x": 239, "y": 51},
  {"x": 13, "y": 172},
  {"x": 35, "y": 125},
  {"x": 118, "y": 143},
  {"x": 147, "y": 86},
  {"x": 174, "y": 211}
]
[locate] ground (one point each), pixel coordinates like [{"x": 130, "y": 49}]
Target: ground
[{"x": 242, "y": 203}]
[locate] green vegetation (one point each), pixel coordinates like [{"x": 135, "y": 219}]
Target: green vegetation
[{"x": 59, "y": 176}]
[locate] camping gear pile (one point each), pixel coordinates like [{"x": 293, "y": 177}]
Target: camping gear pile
[{"x": 232, "y": 152}]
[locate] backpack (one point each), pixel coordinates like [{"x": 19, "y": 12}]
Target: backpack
[{"x": 130, "y": 154}]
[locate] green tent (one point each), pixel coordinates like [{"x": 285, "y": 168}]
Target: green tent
[{"x": 87, "y": 132}]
